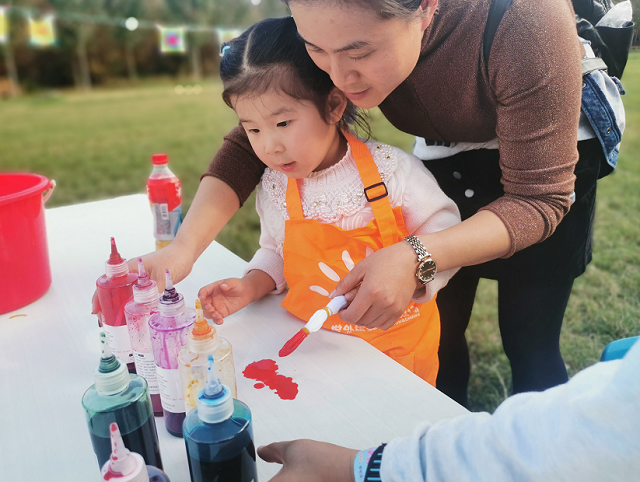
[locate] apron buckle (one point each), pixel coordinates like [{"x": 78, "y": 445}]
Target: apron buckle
[{"x": 376, "y": 198}]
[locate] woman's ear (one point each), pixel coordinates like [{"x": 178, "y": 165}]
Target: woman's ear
[
  {"x": 428, "y": 8},
  {"x": 336, "y": 104}
]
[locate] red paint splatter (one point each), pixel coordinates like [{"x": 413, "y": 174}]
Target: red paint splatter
[
  {"x": 293, "y": 343},
  {"x": 265, "y": 371},
  {"x": 259, "y": 385}
]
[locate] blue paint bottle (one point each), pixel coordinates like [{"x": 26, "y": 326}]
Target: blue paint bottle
[
  {"x": 126, "y": 466},
  {"x": 123, "y": 398},
  {"x": 219, "y": 435}
]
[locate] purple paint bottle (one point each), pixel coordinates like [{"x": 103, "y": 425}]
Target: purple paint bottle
[
  {"x": 169, "y": 331},
  {"x": 137, "y": 312},
  {"x": 126, "y": 466}
]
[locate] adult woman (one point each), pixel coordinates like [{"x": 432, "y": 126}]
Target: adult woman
[{"x": 421, "y": 62}]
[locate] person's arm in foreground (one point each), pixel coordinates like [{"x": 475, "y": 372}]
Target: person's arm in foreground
[{"x": 585, "y": 430}]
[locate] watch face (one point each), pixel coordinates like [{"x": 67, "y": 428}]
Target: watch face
[{"x": 427, "y": 270}]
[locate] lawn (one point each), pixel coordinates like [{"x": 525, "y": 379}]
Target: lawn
[{"x": 98, "y": 145}]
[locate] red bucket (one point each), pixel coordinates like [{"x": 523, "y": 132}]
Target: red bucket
[{"x": 25, "y": 274}]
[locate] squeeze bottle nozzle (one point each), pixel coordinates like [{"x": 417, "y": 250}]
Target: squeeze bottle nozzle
[
  {"x": 145, "y": 290},
  {"x": 111, "y": 376},
  {"x": 171, "y": 302},
  {"x": 215, "y": 403},
  {"x": 203, "y": 337},
  {"x": 124, "y": 465},
  {"x": 115, "y": 265}
]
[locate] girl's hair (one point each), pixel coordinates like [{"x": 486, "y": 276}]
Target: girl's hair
[
  {"x": 270, "y": 55},
  {"x": 386, "y": 9}
]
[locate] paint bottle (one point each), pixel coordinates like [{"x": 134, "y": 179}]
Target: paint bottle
[
  {"x": 169, "y": 329},
  {"x": 120, "y": 397},
  {"x": 137, "y": 313},
  {"x": 115, "y": 288},
  {"x": 163, "y": 189},
  {"x": 126, "y": 466},
  {"x": 204, "y": 341},
  {"x": 219, "y": 435}
]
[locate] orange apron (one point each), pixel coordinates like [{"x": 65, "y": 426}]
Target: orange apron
[{"x": 318, "y": 255}]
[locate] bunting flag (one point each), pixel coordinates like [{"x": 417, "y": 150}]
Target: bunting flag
[
  {"x": 172, "y": 40},
  {"x": 4, "y": 29},
  {"x": 225, "y": 35},
  {"x": 41, "y": 32}
]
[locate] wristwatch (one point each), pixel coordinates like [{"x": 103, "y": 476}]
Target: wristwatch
[{"x": 427, "y": 268}]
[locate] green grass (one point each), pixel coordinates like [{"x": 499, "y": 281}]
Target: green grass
[{"x": 98, "y": 145}]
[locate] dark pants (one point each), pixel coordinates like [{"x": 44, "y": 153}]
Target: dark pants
[{"x": 533, "y": 285}]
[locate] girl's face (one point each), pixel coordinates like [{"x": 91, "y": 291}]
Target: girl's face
[
  {"x": 367, "y": 57},
  {"x": 290, "y": 135}
]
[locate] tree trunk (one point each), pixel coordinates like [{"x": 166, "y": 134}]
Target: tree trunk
[
  {"x": 131, "y": 61},
  {"x": 196, "y": 68},
  {"x": 12, "y": 71},
  {"x": 82, "y": 58}
]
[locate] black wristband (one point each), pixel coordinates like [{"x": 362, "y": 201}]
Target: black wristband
[{"x": 373, "y": 467}]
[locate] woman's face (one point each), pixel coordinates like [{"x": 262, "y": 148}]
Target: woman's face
[{"x": 367, "y": 57}]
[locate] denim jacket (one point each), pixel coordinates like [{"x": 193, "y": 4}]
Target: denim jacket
[{"x": 602, "y": 114}]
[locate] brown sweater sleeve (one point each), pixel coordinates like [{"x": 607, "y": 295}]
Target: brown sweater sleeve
[
  {"x": 237, "y": 165},
  {"x": 538, "y": 90}
]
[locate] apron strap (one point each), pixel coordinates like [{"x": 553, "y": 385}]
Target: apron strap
[
  {"x": 375, "y": 191},
  {"x": 294, "y": 204}
]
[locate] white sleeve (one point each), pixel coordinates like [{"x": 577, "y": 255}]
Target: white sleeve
[
  {"x": 586, "y": 430},
  {"x": 425, "y": 208},
  {"x": 268, "y": 258}
]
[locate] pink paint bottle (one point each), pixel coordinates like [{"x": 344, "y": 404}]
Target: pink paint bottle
[
  {"x": 137, "y": 313},
  {"x": 169, "y": 331},
  {"x": 126, "y": 466},
  {"x": 115, "y": 288}
]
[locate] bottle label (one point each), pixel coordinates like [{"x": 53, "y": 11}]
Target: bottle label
[
  {"x": 166, "y": 223},
  {"x": 170, "y": 389},
  {"x": 146, "y": 368},
  {"x": 119, "y": 342}
]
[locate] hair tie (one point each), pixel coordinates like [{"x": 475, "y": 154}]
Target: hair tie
[{"x": 224, "y": 49}]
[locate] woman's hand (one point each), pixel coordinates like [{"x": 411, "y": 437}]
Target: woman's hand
[
  {"x": 173, "y": 257},
  {"x": 380, "y": 287},
  {"x": 310, "y": 461}
]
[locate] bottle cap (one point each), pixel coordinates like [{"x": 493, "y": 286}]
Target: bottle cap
[
  {"x": 123, "y": 466},
  {"x": 115, "y": 265},
  {"x": 203, "y": 338},
  {"x": 111, "y": 375},
  {"x": 145, "y": 290},
  {"x": 159, "y": 159},
  {"x": 171, "y": 302},
  {"x": 215, "y": 403}
]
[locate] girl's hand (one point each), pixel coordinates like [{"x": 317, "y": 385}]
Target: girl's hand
[
  {"x": 310, "y": 461},
  {"x": 380, "y": 287},
  {"x": 225, "y": 297}
]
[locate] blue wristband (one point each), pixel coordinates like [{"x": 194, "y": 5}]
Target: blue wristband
[{"x": 366, "y": 465}]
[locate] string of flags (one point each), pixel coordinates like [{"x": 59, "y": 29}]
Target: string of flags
[{"x": 42, "y": 31}]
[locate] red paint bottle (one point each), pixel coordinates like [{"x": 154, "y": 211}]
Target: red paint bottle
[
  {"x": 115, "y": 289},
  {"x": 165, "y": 197}
]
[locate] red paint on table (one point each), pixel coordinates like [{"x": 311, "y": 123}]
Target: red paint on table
[
  {"x": 265, "y": 371},
  {"x": 259, "y": 385},
  {"x": 293, "y": 343}
]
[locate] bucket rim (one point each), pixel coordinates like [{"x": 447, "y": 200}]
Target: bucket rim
[{"x": 39, "y": 188}]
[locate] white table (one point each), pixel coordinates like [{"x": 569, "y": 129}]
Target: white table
[{"x": 349, "y": 393}]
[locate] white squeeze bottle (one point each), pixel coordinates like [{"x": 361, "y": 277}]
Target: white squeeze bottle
[{"x": 192, "y": 360}]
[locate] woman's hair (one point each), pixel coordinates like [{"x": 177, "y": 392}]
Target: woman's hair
[
  {"x": 271, "y": 56},
  {"x": 386, "y": 9}
]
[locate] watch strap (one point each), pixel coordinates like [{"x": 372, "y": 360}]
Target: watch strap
[{"x": 418, "y": 247}]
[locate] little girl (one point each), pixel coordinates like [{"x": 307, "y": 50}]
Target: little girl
[{"x": 327, "y": 199}]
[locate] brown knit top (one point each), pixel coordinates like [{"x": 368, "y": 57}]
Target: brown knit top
[{"x": 529, "y": 99}]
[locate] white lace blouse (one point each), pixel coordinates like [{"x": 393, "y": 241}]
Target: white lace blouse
[{"x": 336, "y": 196}]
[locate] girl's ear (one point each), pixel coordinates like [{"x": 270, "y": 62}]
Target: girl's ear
[{"x": 336, "y": 104}]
